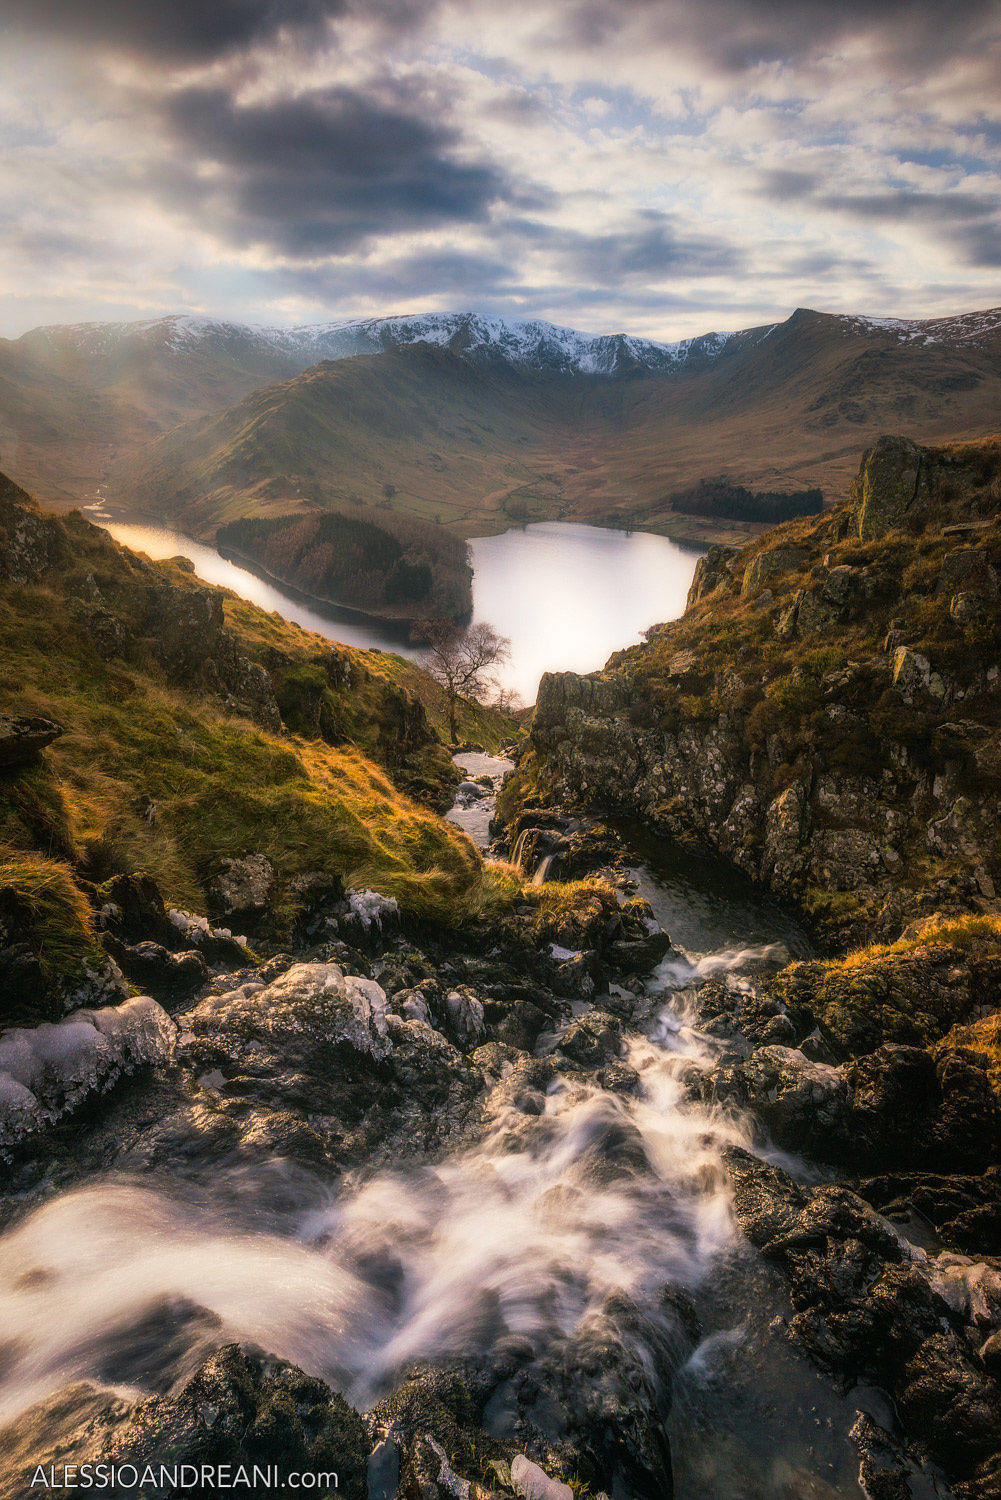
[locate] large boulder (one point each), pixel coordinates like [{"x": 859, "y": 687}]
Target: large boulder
[
  {"x": 886, "y": 487},
  {"x": 21, "y": 739},
  {"x": 240, "y": 1409}
]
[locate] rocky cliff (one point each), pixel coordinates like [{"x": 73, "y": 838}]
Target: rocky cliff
[{"x": 825, "y": 714}]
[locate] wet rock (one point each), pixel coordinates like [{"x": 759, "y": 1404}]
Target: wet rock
[
  {"x": 242, "y": 887},
  {"x": 22, "y": 739},
  {"x": 800, "y": 1102},
  {"x": 863, "y": 1309},
  {"x": 240, "y": 1408},
  {"x": 593, "y": 1040},
  {"x": 157, "y": 972},
  {"x": 884, "y": 1471}
]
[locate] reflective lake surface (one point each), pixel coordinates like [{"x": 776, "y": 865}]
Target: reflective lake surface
[{"x": 567, "y": 596}]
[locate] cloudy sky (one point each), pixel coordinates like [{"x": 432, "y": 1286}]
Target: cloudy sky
[{"x": 656, "y": 166}]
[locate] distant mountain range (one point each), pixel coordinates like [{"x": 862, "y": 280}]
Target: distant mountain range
[{"x": 475, "y": 421}]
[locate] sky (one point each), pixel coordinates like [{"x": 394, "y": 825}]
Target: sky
[{"x": 656, "y": 167}]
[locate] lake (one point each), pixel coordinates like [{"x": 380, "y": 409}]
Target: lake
[{"x": 567, "y": 596}]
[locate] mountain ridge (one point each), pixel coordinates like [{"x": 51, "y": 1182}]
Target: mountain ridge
[{"x": 601, "y": 427}]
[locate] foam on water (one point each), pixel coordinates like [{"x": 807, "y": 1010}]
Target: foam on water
[{"x": 522, "y": 1235}]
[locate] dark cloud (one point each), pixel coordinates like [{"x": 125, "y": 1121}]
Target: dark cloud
[
  {"x": 649, "y": 248},
  {"x": 185, "y": 30},
  {"x": 734, "y": 35},
  {"x": 322, "y": 173},
  {"x": 738, "y": 35}
]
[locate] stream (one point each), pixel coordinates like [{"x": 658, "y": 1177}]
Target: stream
[{"x": 601, "y": 1194}]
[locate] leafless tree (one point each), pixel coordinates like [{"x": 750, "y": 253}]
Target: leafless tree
[{"x": 463, "y": 662}]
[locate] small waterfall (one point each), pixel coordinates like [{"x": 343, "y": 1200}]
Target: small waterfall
[
  {"x": 597, "y": 1193},
  {"x": 518, "y": 852},
  {"x": 542, "y": 869}
]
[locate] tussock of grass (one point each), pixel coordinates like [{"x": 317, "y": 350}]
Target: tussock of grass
[{"x": 41, "y": 905}]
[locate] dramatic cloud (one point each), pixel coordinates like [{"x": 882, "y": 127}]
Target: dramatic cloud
[
  {"x": 658, "y": 166},
  {"x": 322, "y": 172}
]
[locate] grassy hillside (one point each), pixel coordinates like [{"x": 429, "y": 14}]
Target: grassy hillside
[
  {"x": 826, "y": 712},
  {"x": 478, "y": 445},
  {"x": 395, "y": 566},
  {"x": 197, "y": 727}
]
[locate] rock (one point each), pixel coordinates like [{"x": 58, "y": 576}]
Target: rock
[
  {"x": 684, "y": 667},
  {"x": 239, "y": 1409},
  {"x": 533, "y": 1483},
  {"x": 308, "y": 1000},
  {"x": 886, "y": 487},
  {"x": 712, "y": 571},
  {"x": 802, "y": 1103},
  {"x": 22, "y": 739},
  {"x": 912, "y": 674},
  {"x": 884, "y": 1472},
  {"x": 157, "y": 972},
  {"x": 47, "y": 1071},
  {"x": 464, "y": 1012},
  {"x": 593, "y": 1040},
  {"x": 769, "y": 563},
  {"x": 218, "y": 944},
  {"x": 243, "y": 887}
]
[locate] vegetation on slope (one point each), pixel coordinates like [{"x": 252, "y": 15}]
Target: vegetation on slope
[
  {"x": 377, "y": 562},
  {"x": 826, "y": 712},
  {"x": 478, "y": 445},
  {"x": 177, "y": 749}
]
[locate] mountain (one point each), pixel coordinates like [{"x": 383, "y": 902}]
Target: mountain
[
  {"x": 479, "y": 432},
  {"x": 480, "y": 420}
]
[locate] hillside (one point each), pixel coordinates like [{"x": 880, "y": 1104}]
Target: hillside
[
  {"x": 479, "y": 421},
  {"x": 825, "y": 714},
  {"x": 476, "y": 440},
  {"x": 396, "y": 567},
  {"x": 186, "y": 727}
]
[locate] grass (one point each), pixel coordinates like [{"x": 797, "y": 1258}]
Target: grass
[{"x": 41, "y": 906}]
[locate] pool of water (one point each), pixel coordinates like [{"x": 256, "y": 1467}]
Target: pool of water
[{"x": 566, "y": 596}]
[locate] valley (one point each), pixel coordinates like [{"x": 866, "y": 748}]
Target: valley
[
  {"x": 477, "y": 424},
  {"x": 689, "y": 980}
]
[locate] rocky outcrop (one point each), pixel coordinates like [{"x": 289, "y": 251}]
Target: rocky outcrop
[
  {"x": 822, "y": 715},
  {"x": 866, "y": 1307},
  {"x": 22, "y": 739},
  {"x": 886, "y": 488}
]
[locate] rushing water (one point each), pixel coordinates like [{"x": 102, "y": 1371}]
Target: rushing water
[
  {"x": 566, "y": 596},
  {"x": 128, "y": 1282}
]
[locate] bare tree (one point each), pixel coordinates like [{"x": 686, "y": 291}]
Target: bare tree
[{"x": 462, "y": 661}]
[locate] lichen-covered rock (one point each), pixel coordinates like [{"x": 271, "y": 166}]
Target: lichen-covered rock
[
  {"x": 712, "y": 571},
  {"x": 768, "y": 564},
  {"x": 22, "y": 739},
  {"x": 886, "y": 486},
  {"x": 242, "y": 887}
]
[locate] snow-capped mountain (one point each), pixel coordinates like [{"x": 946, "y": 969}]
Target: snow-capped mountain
[
  {"x": 82, "y": 400},
  {"x": 524, "y": 343}
]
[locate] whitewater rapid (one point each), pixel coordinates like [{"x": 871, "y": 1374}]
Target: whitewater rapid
[{"x": 573, "y": 1193}]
